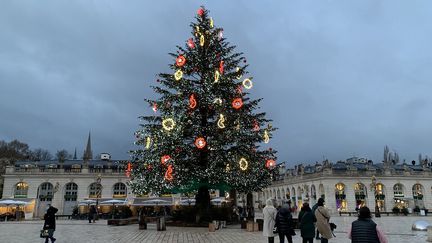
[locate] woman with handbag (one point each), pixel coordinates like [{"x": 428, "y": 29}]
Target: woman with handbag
[
  {"x": 323, "y": 217},
  {"x": 307, "y": 223},
  {"x": 284, "y": 224},
  {"x": 50, "y": 223},
  {"x": 269, "y": 214}
]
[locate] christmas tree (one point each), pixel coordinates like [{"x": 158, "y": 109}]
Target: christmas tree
[{"x": 204, "y": 132}]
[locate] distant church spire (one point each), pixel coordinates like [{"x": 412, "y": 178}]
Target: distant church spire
[
  {"x": 75, "y": 157},
  {"x": 88, "y": 153}
]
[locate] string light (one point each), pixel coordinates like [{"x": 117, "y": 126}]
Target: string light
[
  {"x": 200, "y": 142},
  {"x": 221, "y": 121},
  {"x": 243, "y": 164},
  {"x": 217, "y": 101},
  {"x": 266, "y": 137},
  {"x": 148, "y": 140},
  {"x": 168, "y": 173},
  {"x": 239, "y": 75},
  {"x": 192, "y": 101},
  {"x": 178, "y": 75},
  {"x": 247, "y": 83},
  {"x": 202, "y": 40},
  {"x": 168, "y": 124},
  {"x": 216, "y": 76}
]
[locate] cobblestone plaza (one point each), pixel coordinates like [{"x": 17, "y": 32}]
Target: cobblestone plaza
[{"x": 398, "y": 230}]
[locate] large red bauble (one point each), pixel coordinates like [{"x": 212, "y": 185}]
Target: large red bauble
[
  {"x": 270, "y": 163},
  {"x": 237, "y": 103},
  {"x": 191, "y": 43},
  {"x": 180, "y": 61},
  {"x": 200, "y": 11},
  {"x": 200, "y": 142}
]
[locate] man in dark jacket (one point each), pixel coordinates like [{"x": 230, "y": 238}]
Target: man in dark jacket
[
  {"x": 284, "y": 224},
  {"x": 50, "y": 223}
]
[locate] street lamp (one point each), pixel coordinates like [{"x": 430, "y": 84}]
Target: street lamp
[{"x": 374, "y": 188}]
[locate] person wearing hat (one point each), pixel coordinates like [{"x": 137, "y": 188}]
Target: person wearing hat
[{"x": 323, "y": 217}]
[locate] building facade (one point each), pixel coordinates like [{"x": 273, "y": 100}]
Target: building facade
[{"x": 346, "y": 186}]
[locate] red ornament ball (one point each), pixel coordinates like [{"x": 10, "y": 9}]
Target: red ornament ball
[
  {"x": 200, "y": 142},
  {"x": 191, "y": 43},
  {"x": 237, "y": 103},
  {"x": 270, "y": 163},
  {"x": 200, "y": 11},
  {"x": 180, "y": 61}
]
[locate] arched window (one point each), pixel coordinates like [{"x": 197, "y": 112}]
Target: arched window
[
  {"x": 360, "y": 194},
  {"x": 417, "y": 191},
  {"x": 278, "y": 194},
  {"x": 380, "y": 196},
  {"x": 71, "y": 192},
  {"x": 95, "y": 190},
  {"x": 341, "y": 203},
  {"x": 46, "y": 192},
  {"x": 321, "y": 191},
  {"x": 398, "y": 190},
  {"x": 313, "y": 192},
  {"x": 21, "y": 190},
  {"x": 288, "y": 194},
  {"x": 119, "y": 190}
]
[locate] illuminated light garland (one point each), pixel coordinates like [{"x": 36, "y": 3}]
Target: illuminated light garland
[
  {"x": 211, "y": 22},
  {"x": 202, "y": 40},
  {"x": 192, "y": 101},
  {"x": 221, "y": 121},
  {"x": 237, "y": 103},
  {"x": 178, "y": 75},
  {"x": 154, "y": 107},
  {"x": 180, "y": 61},
  {"x": 191, "y": 43},
  {"x": 217, "y": 101},
  {"x": 270, "y": 163},
  {"x": 243, "y": 164},
  {"x": 164, "y": 159},
  {"x": 221, "y": 67},
  {"x": 266, "y": 137},
  {"x": 247, "y": 83},
  {"x": 238, "y": 71},
  {"x": 168, "y": 124},
  {"x": 168, "y": 173},
  {"x": 148, "y": 141},
  {"x": 216, "y": 76},
  {"x": 200, "y": 142}
]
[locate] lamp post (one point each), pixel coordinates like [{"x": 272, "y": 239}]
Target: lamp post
[{"x": 374, "y": 188}]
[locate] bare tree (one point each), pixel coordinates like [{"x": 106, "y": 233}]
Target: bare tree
[
  {"x": 41, "y": 155},
  {"x": 63, "y": 155}
]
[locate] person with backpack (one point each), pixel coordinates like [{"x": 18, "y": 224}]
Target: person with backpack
[
  {"x": 364, "y": 230},
  {"x": 50, "y": 223},
  {"x": 307, "y": 221}
]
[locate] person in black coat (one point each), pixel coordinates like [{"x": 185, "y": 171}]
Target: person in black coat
[
  {"x": 92, "y": 214},
  {"x": 284, "y": 224},
  {"x": 50, "y": 223}
]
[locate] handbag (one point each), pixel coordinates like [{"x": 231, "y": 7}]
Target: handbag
[
  {"x": 275, "y": 230},
  {"x": 44, "y": 233}
]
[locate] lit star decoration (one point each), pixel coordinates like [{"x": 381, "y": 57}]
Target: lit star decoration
[
  {"x": 168, "y": 124},
  {"x": 165, "y": 158},
  {"x": 247, "y": 83},
  {"x": 178, "y": 75},
  {"x": 270, "y": 163},
  {"x": 266, "y": 137},
  {"x": 168, "y": 173},
  {"x": 192, "y": 101},
  {"x": 243, "y": 163},
  {"x": 221, "y": 121},
  {"x": 237, "y": 103},
  {"x": 200, "y": 142},
  {"x": 180, "y": 61},
  {"x": 216, "y": 76}
]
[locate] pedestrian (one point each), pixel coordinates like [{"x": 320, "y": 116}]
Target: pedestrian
[
  {"x": 313, "y": 211},
  {"x": 323, "y": 217},
  {"x": 307, "y": 221},
  {"x": 50, "y": 223},
  {"x": 269, "y": 214},
  {"x": 284, "y": 224},
  {"x": 364, "y": 230},
  {"x": 91, "y": 214}
]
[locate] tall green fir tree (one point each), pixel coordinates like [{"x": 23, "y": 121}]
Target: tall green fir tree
[{"x": 203, "y": 131}]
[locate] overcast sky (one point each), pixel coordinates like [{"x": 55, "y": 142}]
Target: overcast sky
[{"x": 339, "y": 78}]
